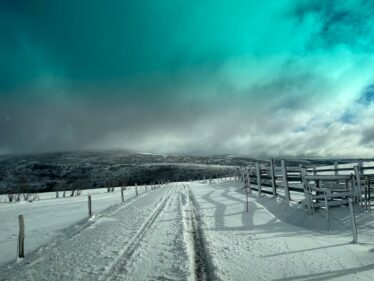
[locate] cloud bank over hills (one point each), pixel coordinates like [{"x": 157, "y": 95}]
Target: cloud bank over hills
[{"x": 262, "y": 78}]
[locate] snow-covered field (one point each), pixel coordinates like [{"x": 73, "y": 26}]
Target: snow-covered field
[
  {"x": 47, "y": 217},
  {"x": 183, "y": 231}
]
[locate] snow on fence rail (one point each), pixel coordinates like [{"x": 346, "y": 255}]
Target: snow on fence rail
[
  {"x": 322, "y": 186},
  {"x": 276, "y": 178}
]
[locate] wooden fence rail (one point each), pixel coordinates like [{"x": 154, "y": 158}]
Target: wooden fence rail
[{"x": 277, "y": 178}]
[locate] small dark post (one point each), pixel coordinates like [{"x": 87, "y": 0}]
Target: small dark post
[
  {"x": 327, "y": 212},
  {"x": 314, "y": 169},
  {"x": 369, "y": 197},
  {"x": 89, "y": 206},
  {"x": 21, "y": 237},
  {"x": 358, "y": 184},
  {"x": 354, "y": 229},
  {"x": 258, "y": 172},
  {"x": 285, "y": 180},
  {"x": 123, "y": 198},
  {"x": 249, "y": 183},
  {"x": 136, "y": 189},
  {"x": 246, "y": 192},
  {"x": 272, "y": 173},
  {"x": 366, "y": 192}
]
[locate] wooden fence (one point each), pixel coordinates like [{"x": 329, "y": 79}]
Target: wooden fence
[{"x": 305, "y": 182}]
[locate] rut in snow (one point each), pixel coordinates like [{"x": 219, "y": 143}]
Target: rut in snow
[
  {"x": 131, "y": 247},
  {"x": 200, "y": 263}
]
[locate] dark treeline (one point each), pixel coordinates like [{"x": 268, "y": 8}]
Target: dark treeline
[{"x": 77, "y": 171}]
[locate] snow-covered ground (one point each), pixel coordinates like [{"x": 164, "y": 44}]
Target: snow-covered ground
[
  {"x": 47, "y": 217},
  {"x": 184, "y": 231}
]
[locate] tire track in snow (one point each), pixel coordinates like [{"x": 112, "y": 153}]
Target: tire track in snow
[
  {"x": 200, "y": 263},
  {"x": 130, "y": 248},
  {"x": 79, "y": 228}
]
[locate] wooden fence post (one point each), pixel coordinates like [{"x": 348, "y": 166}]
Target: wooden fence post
[
  {"x": 136, "y": 189},
  {"x": 285, "y": 180},
  {"x": 354, "y": 229},
  {"x": 21, "y": 237},
  {"x": 89, "y": 206},
  {"x": 360, "y": 167},
  {"x": 366, "y": 192},
  {"x": 336, "y": 168},
  {"x": 246, "y": 192},
  {"x": 314, "y": 169},
  {"x": 258, "y": 172},
  {"x": 122, "y": 196},
  {"x": 304, "y": 172},
  {"x": 328, "y": 212},
  {"x": 249, "y": 183},
  {"x": 358, "y": 184},
  {"x": 272, "y": 174}
]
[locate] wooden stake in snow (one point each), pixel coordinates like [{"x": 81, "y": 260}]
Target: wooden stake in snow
[
  {"x": 272, "y": 174},
  {"x": 123, "y": 198},
  {"x": 336, "y": 168},
  {"x": 258, "y": 171},
  {"x": 285, "y": 180},
  {"x": 249, "y": 183},
  {"x": 246, "y": 192},
  {"x": 328, "y": 212},
  {"x": 308, "y": 200},
  {"x": 358, "y": 184},
  {"x": 360, "y": 167},
  {"x": 89, "y": 206},
  {"x": 354, "y": 229},
  {"x": 21, "y": 237},
  {"x": 314, "y": 169},
  {"x": 136, "y": 189}
]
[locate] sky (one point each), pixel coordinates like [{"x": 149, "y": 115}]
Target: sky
[{"x": 257, "y": 77}]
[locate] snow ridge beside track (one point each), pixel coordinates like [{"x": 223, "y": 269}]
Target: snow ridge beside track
[
  {"x": 121, "y": 260},
  {"x": 200, "y": 262}
]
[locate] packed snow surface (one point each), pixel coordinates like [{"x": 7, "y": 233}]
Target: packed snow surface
[{"x": 182, "y": 231}]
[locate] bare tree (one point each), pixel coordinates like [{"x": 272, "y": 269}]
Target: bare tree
[
  {"x": 23, "y": 187},
  {"x": 11, "y": 197}
]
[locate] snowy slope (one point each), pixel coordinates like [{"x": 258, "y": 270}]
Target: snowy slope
[
  {"x": 258, "y": 245},
  {"x": 46, "y": 218},
  {"x": 195, "y": 231}
]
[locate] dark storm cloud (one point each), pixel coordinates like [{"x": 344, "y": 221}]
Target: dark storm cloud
[{"x": 264, "y": 78}]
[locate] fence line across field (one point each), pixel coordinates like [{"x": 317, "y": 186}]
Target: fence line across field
[
  {"x": 21, "y": 223},
  {"x": 322, "y": 186},
  {"x": 270, "y": 178},
  {"x": 344, "y": 186}
]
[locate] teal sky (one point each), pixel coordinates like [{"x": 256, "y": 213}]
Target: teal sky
[{"x": 266, "y": 78}]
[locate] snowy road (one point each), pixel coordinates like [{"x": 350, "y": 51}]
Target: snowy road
[
  {"x": 192, "y": 231},
  {"x": 148, "y": 238}
]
